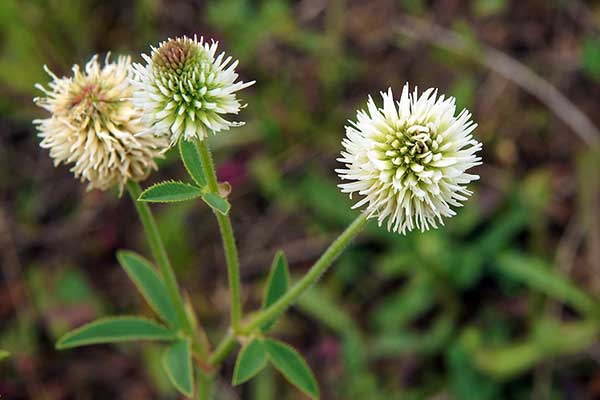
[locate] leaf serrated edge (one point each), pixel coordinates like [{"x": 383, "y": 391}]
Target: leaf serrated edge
[
  {"x": 170, "y": 375},
  {"x": 201, "y": 192},
  {"x": 171, "y": 335}
]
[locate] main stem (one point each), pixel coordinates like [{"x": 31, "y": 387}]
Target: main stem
[
  {"x": 159, "y": 253},
  {"x": 205, "y": 384},
  {"x": 316, "y": 271},
  {"x": 229, "y": 246}
]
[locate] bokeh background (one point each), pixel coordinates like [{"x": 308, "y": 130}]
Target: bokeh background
[{"x": 502, "y": 303}]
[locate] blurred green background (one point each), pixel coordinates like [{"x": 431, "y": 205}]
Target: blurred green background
[{"x": 502, "y": 303}]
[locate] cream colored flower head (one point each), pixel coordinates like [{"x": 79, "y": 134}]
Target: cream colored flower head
[
  {"x": 408, "y": 159},
  {"x": 185, "y": 89},
  {"x": 93, "y": 125}
]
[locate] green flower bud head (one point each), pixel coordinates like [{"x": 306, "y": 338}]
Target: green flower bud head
[{"x": 185, "y": 89}]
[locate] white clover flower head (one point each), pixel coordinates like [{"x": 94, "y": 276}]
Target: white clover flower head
[
  {"x": 93, "y": 124},
  {"x": 409, "y": 159},
  {"x": 185, "y": 89}
]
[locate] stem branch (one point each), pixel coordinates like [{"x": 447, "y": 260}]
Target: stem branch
[
  {"x": 227, "y": 345},
  {"x": 223, "y": 349}
]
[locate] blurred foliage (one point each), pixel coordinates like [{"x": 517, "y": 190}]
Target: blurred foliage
[
  {"x": 591, "y": 57},
  {"x": 502, "y": 303}
]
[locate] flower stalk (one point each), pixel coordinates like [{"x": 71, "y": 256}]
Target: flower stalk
[
  {"x": 227, "y": 236},
  {"x": 316, "y": 271}
]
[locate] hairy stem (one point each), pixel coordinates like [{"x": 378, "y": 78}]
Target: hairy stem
[
  {"x": 159, "y": 253},
  {"x": 229, "y": 246},
  {"x": 316, "y": 271},
  {"x": 205, "y": 383}
]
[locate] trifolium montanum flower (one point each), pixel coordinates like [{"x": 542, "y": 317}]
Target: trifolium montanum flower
[
  {"x": 408, "y": 159},
  {"x": 93, "y": 125},
  {"x": 186, "y": 89}
]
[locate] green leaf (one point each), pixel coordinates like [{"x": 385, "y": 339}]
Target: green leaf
[
  {"x": 251, "y": 360},
  {"x": 550, "y": 338},
  {"x": 4, "y": 354},
  {"x": 217, "y": 203},
  {"x": 150, "y": 284},
  {"x": 590, "y": 57},
  {"x": 535, "y": 273},
  {"x": 177, "y": 363},
  {"x": 277, "y": 284},
  {"x": 405, "y": 305},
  {"x": 486, "y": 8},
  {"x": 115, "y": 329},
  {"x": 291, "y": 364},
  {"x": 167, "y": 192},
  {"x": 191, "y": 161},
  {"x": 321, "y": 305}
]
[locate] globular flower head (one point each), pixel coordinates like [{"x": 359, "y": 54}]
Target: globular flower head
[
  {"x": 408, "y": 159},
  {"x": 185, "y": 89},
  {"x": 93, "y": 124}
]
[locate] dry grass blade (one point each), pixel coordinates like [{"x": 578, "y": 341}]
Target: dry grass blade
[{"x": 508, "y": 67}]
